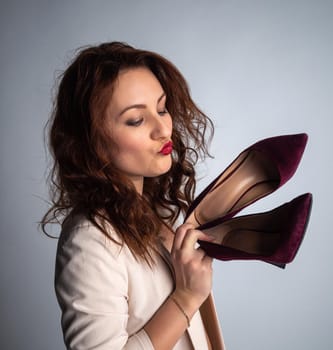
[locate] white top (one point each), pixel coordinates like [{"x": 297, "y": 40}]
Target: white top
[{"x": 107, "y": 296}]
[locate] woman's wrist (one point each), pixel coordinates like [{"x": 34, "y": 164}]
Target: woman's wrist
[
  {"x": 176, "y": 316},
  {"x": 187, "y": 302},
  {"x": 181, "y": 309}
]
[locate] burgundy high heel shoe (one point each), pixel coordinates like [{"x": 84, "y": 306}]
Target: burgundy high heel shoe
[
  {"x": 258, "y": 171},
  {"x": 273, "y": 237}
]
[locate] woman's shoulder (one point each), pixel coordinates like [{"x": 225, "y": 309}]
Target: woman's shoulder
[{"x": 79, "y": 234}]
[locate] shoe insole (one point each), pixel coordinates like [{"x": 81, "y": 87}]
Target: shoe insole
[
  {"x": 250, "y": 177},
  {"x": 256, "y": 234}
]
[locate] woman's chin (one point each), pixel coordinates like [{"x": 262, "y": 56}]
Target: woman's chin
[{"x": 161, "y": 170}]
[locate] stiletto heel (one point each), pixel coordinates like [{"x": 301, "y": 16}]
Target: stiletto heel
[
  {"x": 273, "y": 237},
  {"x": 258, "y": 171}
]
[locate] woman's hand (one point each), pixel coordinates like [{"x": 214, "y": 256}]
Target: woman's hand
[
  {"x": 193, "y": 268},
  {"x": 193, "y": 271}
]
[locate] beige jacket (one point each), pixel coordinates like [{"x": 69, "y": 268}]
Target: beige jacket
[{"x": 106, "y": 296}]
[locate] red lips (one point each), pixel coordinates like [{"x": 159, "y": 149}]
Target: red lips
[{"x": 166, "y": 149}]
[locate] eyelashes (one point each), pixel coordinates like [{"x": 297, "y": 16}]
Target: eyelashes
[
  {"x": 139, "y": 121},
  {"x": 136, "y": 122},
  {"x": 165, "y": 111}
]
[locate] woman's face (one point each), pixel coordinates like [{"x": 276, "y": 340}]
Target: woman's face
[{"x": 140, "y": 126}]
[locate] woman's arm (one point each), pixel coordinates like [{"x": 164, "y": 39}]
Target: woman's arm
[
  {"x": 91, "y": 285},
  {"x": 193, "y": 271}
]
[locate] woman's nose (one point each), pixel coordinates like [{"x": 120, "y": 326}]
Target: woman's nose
[{"x": 162, "y": 127}]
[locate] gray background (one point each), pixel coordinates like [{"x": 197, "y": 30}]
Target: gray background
[{"x": 258, "y": 68}]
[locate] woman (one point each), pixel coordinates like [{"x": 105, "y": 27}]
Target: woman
[{"x": 125, "y": 136}]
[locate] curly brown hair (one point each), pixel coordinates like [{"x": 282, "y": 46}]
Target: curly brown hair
[{"x": 83, "y": 178}]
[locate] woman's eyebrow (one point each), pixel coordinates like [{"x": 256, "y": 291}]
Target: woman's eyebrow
[
  {"x": 160, "y": 98},
  {"x": 139, "y": 106}
]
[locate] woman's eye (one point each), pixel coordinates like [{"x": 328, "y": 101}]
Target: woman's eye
[
  {"x": 163, "y": 112},
  {"x": 135, "y": 122}
]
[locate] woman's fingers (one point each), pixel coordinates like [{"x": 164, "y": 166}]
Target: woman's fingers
[
  {"x": 193, "y": 268},
  {"x": 186, "y": 242},
  {"x": 192, "y": 237},
  {"x": 181, "y": 232},
  {"x": 186, "y": 246}
]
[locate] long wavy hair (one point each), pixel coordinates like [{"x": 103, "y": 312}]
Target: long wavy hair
[{"x": 83, "y": 178}]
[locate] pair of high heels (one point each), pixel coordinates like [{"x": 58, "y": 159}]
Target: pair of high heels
[{"x": 273, "y": 236}]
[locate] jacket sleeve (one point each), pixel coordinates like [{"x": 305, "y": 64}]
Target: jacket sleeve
[{"x": 91, "y": 285}]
